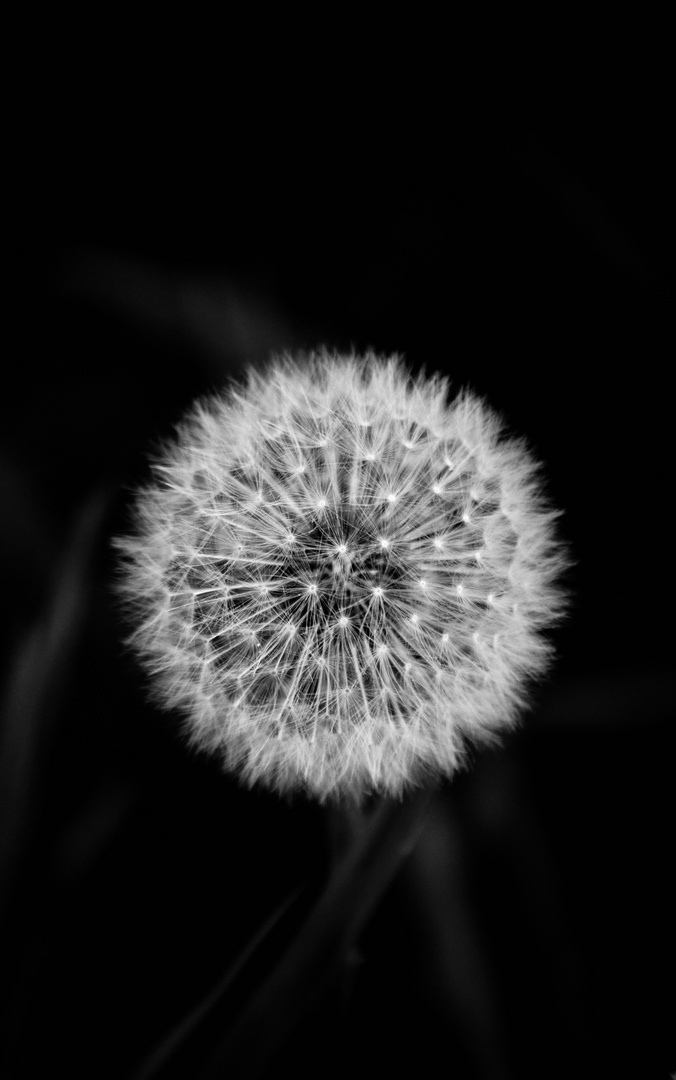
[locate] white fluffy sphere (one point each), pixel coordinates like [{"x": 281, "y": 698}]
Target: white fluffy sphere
[{"x": 339, "y": 577}]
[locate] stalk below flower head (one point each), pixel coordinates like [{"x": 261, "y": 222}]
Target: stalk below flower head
[{"x": 340, "y": 578}]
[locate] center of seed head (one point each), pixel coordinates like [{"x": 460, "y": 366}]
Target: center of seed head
[
  {"x": 341, "y": 563},
  {"x": 346, "y": 559}
]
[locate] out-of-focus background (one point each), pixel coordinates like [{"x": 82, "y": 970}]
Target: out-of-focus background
[{"x": 531, "y": 934}]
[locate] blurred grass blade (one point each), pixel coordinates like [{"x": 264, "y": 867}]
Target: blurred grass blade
[
  {"x": 35, "y": 682},
  {"x": 167, "y": 1052},
  {"x": 294, "y": 976},
  {"x": 316, "y": 959}
]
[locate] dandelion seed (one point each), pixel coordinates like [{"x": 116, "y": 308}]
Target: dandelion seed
[{"x": 320, "y": 564}]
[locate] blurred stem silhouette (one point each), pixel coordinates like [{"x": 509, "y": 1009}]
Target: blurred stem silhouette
[
  {"x": 317, "y": 958},
  {"x": 367, "y": 847}
]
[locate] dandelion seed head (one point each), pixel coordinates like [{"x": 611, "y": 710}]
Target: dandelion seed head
[{"x": 340, "y": 577}]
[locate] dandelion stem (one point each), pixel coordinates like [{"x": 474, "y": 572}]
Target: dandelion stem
[{"x": 368, "y": 857}]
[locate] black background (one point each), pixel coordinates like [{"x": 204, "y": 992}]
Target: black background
[{"x": 157, "y": 249}]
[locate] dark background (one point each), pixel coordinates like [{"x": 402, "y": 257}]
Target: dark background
[{"x": 155, "y": 255}]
